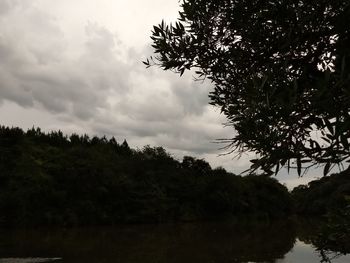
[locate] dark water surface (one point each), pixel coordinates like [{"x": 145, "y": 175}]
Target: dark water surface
[{"x": 282, "y": 242}]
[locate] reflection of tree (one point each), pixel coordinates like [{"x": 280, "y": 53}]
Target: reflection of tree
[
  {"x": 327, "y": 256},
  {"x": 331, "y": 238},
  {"x": 212, "y": 242},
  {"x": 334, "y": 238}
]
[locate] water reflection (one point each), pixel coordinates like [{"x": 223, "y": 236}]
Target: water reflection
[
  {"x": 190, "y": 242},
  {"x": 330, "y": 239},
  {"x": 28, "y": 260}
]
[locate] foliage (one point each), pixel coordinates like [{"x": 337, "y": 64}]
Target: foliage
[
  {"x": 54, "y": 179},
  {"x": 328, "y": 195},
  {"x": 281, "y": 71}
]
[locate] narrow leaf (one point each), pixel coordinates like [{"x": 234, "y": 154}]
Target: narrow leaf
[
  {"x": 299, "y": 166},
  {"x": 277, "y": 168},
  {"x": 326, "y": 168},
  {"x": 344, "y": 141}
]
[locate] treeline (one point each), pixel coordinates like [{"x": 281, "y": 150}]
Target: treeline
[
  {"x": 54, "y": 179},
  {"x": 330, "y": 194}
]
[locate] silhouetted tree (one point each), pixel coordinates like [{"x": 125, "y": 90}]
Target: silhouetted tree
[
  {"x": 281, "y": 71},
  {"x": 329, "y": 195}
]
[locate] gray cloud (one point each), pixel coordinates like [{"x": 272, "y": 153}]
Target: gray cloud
[
  {"x": 99, "y": 86},
  {"x": 7, "y": 5},
  {"x": 63, "y": 66},
  {"x": 193, "y": 97},
  {"x": 43, "y": 74}
]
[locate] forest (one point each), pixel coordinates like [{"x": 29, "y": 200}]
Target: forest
[{"x": 52, "y": 179}]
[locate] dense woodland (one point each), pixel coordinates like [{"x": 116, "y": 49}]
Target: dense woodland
[
  {"x": 54, "y": 179},
  {"x": 330, "y": 194}
]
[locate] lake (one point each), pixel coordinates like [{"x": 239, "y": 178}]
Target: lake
[{"x": 210, "y": 242}]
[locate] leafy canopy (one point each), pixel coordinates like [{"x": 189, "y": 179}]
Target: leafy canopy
[{"x": 280, "y": 70}]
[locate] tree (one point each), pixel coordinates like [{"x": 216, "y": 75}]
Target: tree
[{"x": 281, "y": 73}]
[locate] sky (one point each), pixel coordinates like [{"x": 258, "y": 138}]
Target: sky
[{"x": 77, "y": 66}]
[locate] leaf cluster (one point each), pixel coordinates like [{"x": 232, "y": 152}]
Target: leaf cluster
[{"x": 281, "y": 74}]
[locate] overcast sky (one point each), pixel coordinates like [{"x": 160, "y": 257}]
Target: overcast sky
[{"x": 77, "y": 66}]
